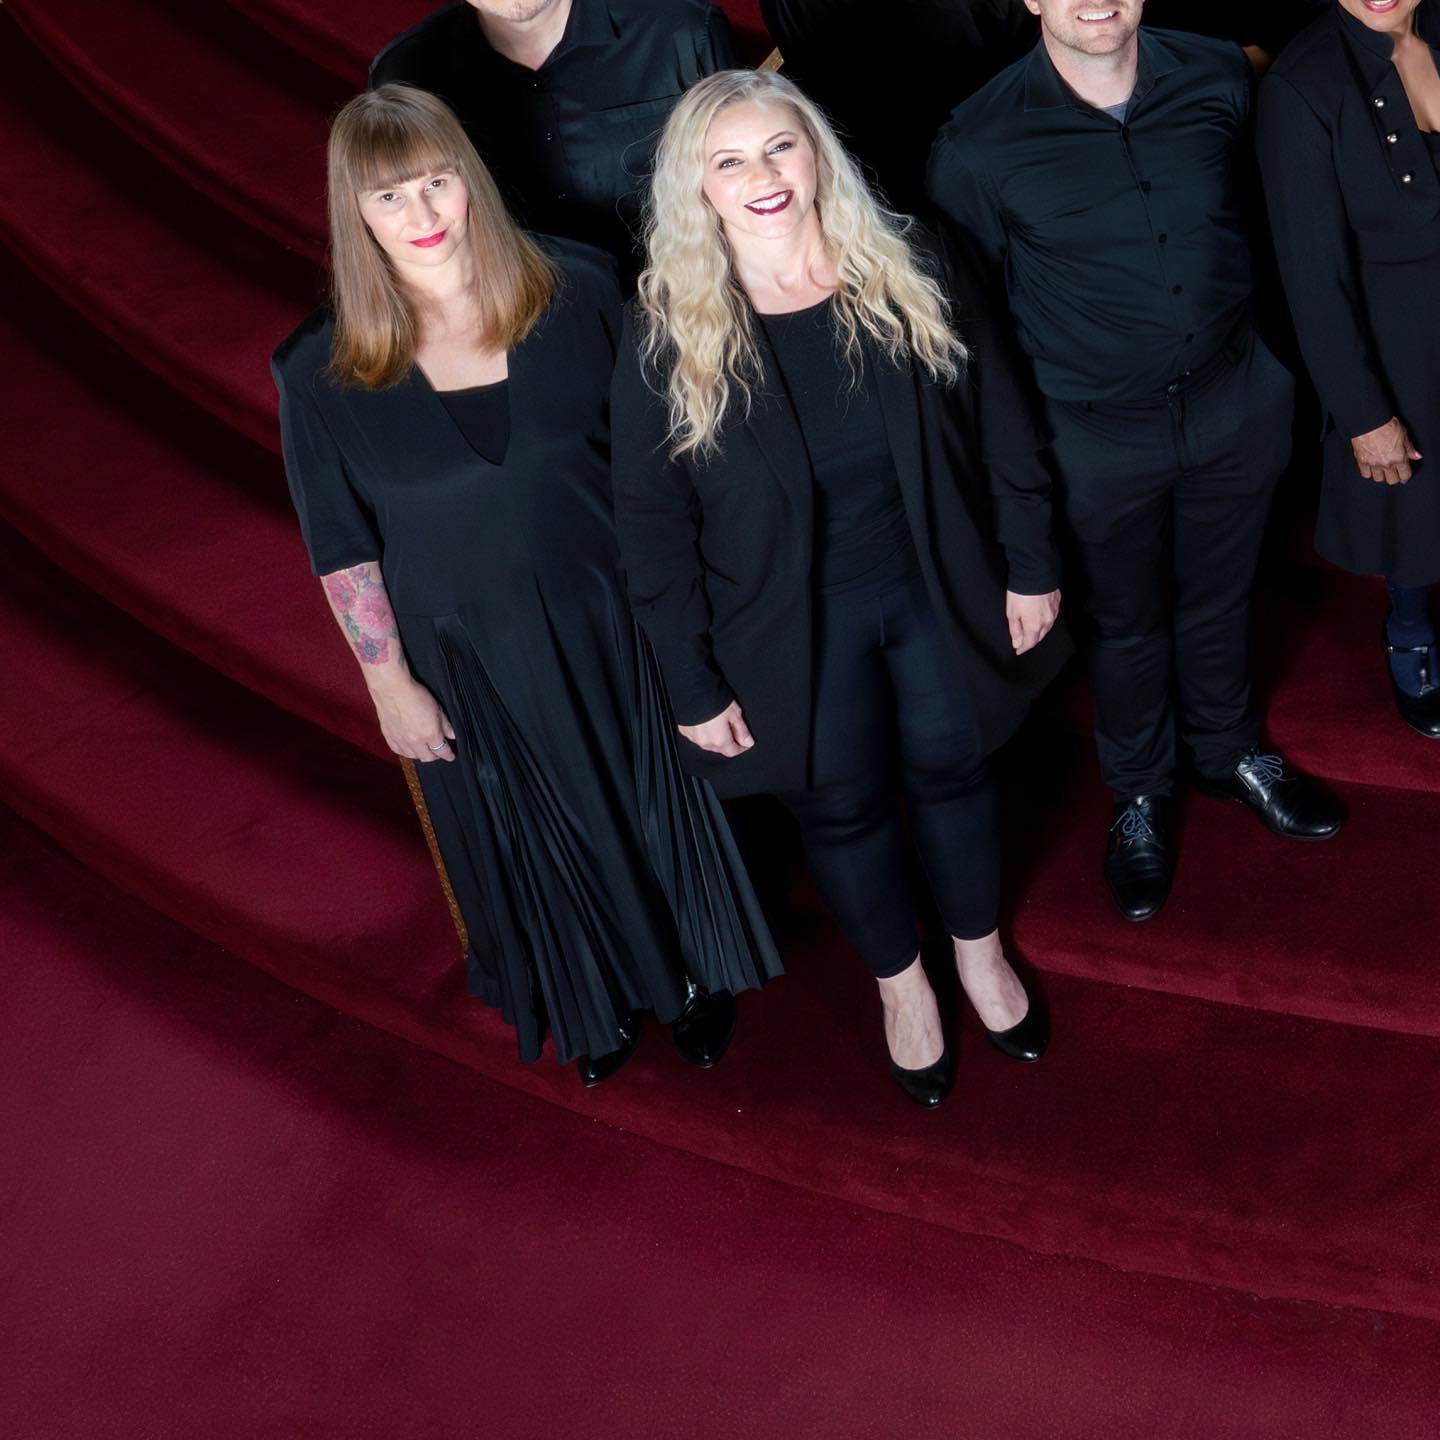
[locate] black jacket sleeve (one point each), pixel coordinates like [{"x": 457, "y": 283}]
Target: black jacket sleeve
[
  {"x": 1014, "y": 440},
  {"x": 657, "y": 516},
  {"x": 1314, "y": 247}
]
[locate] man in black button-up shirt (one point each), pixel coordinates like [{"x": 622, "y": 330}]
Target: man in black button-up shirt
[
  {"x": 1099, "y": 180},
  {"x": 565, "y": 99}
]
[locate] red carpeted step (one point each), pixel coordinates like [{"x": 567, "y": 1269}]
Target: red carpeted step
[
  {"x": 219, "y": 102},
  {"x": 244, "y": 1215},
  {"x": 165, "y": 512},
  {"x": 182, "y": 285},
  {"x": 346, "y": 34},
  {"x": 1198, "y": 1141},
  {"x": 1342, "y": 930}
]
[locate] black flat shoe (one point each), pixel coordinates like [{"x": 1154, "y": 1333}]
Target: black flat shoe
[
  {"x": 930, "y": 1085},
  {"x": 1027, "y": 1039},
  {"x": 705, "y": 1027},
  {"x": 1288, "y": 802},
  {"x": 1420, "y": 712},
  {"x": 593, "y": 1069},
  {"x": 1139, "y": 857}
]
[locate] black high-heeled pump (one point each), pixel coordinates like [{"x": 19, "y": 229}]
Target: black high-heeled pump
[
  {"x": 929, "y": 1085},
  {"x": 1027, "y": 1039}
]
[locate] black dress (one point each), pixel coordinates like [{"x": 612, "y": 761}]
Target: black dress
[
  {"x": 593, "y": 875},
  {"x": 1354, "y": 196}
]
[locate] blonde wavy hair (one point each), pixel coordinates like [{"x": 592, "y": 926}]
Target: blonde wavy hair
[
  {"x": 697, "y": 320},
  {"x": 383, "y": 138}
]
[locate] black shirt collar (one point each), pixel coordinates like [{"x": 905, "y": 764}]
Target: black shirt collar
[{"x": 1046, "y": 90}]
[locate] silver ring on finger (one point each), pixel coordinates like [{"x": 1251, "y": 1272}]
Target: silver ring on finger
[{"x": 436, "y": 749}]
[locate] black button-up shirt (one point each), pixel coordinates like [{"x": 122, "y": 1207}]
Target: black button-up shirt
[
  {"x": 1122, "y": 244},
  {"x": 570, "y": 144}
]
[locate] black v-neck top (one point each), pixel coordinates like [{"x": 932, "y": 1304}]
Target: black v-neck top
[
  {"x": 862, "y": 533},
  {"x": 482, "y": 415}
]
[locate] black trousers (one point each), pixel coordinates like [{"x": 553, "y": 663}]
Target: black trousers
[
  {"x": 891, "y": 717},
  {"x": 1166, "y": 501}
]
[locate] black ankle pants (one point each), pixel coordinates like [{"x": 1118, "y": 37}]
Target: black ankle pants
[{"x": 892, "y": 718}]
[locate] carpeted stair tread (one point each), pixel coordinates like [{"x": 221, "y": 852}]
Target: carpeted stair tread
[
  {"x": 345, "y": 35},
  {"x": 216, "y": 1168},
  {"x": 1271, "y": 1166},
  {"x": 242, "y": 822},
  {"x": 186, "y": 288},
  {"x": 172, "y": 517},
  {"x": 1341, "y": 930},
  {"x": 221, "y": 103}
]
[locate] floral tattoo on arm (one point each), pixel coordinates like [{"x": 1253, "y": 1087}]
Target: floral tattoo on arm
[{"x": 363, "y": 608}]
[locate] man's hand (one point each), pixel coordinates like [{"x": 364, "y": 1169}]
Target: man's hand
[
  {"x": 725, "y": 735},
  {"x": 1031, "y": 618},
  {"x": 1386, "y": 455}
]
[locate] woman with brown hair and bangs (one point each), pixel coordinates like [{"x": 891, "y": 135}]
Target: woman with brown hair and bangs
[{"x": 446, "y": 434}]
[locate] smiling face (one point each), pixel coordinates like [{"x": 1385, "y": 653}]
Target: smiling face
[
  {"x": 1088, "y": 27},
  {"x": 1387, "y": 16},
  {"x": 418, "y": 222},
  {"x": 760, "y": 170}
]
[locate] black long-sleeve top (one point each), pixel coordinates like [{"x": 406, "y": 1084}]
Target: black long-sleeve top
[
  {"x": 1122, "y": 244},
  {"x": 1351, "y": 189},
  {"x": 572, "y": 143}
]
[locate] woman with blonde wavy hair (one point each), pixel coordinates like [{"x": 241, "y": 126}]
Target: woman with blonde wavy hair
[
  {"x": 809, "y": 400},
  {"x": 446, "y": 432}
]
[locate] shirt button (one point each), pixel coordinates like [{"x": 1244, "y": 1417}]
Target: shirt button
[
  {"x": 1393, "y": 137},
  {"x": 563, "y": 195},
  {"x": 1145, "y": 186},
  {"x": 1407, "y": 178},
  {"x": 1176, "y": 289},
  {"x": 1379, "y": 102},
  {"x": 549, "y": 135},
  {"x": 1163, "y": 238}
]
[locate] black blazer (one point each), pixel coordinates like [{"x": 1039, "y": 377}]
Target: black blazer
[
  {"x": 1353, "y": 198},
  {"x": 718, "y": 554}
]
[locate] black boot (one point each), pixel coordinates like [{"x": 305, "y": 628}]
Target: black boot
[
  {"x": 705, "y": 1027},
  {"x": 1139, "y": 859},
  {"x": 1287, "y": 801}
]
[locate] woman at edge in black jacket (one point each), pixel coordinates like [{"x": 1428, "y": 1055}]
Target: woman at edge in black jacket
[
  {"x": 794, "y": 440},
  {"x": 1349, "y": 137}
]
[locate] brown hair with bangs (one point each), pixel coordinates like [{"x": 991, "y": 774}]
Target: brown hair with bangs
[{"x": 384, "y": 137}]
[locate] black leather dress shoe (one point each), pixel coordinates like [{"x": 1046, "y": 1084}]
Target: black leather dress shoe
[
  {"x": 1287, "y": 801},
  {"x": 1420, "y": 712},
  {"x": 1139, "y": 859},
  {"x": 705, "y": 1027},
  {"x": 593, "y": 1069},
  {"x": 1026, "y": 1039},
  {"x": 927, "y": 1086}
]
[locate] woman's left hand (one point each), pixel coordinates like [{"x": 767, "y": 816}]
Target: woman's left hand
[{"x": 1031, "y": 618}]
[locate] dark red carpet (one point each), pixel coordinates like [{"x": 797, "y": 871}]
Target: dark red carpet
[
  {"x": 231, "y": 1212},
  {"x": 244, "y": 1207}
]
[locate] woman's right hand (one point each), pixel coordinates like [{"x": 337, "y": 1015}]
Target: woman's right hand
[
  {"x": 727, "y": 734},
  {"x": 412, "y": 721},
  {"x": 1384, "y": 455}
]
